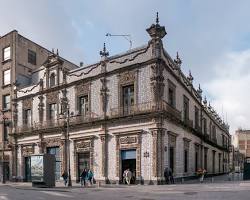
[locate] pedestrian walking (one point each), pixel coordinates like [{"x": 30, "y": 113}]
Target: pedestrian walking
[
  {"x": 127, "y": 174},
  {"x": 166, "y": 175},
  {"x": 90, "y": 176},
  {"x": 171, "y": 177},
  {"x": 83, "y": 177},
  {"x": 65, "y": 177}
]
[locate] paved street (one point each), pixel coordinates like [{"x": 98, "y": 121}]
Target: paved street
[{"x": 220, "y": 189}]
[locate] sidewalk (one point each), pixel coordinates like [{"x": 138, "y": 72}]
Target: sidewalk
[{"x": 60, "y": 186}]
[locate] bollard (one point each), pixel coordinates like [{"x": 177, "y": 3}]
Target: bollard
[
  {"x": 99, "y": 184},
  {"x": 212, "y": 179}
]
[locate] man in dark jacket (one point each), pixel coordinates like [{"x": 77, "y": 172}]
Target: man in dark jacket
[
  {"x": 83, "y": 176},
  {"x": 166, "y": 175}
]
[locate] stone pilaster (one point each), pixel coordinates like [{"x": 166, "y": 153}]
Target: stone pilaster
[
  {"x": 157, "y": 153},
  {"x": 103, "y": 138}
]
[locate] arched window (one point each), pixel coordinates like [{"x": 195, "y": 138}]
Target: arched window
[{"x": 52, "y": 80}]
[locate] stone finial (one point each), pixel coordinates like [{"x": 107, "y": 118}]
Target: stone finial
[
  {"x": 57, "y": 52},
  {"x": 190, "y": 77},
  {"x": 104, "y": 52},
  {"x": 53, "y": 50},
  {"x": 157, "y": 18},
  {"x": 199, "y": 90},
  {"x": 177, "y": 60},
  {"x": 156, "y": 31},
  {"x": 209, "y": 106},
  {"x": 205, "y": 101}
]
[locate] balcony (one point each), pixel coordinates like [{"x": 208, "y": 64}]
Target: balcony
[
  {"x": 188, "y": 122},
  {"x": 145, "y": 108},
  {"x": 73, "y": 120}
]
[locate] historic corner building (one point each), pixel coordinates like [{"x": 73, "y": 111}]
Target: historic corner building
[{"x": 134, "y": 110}]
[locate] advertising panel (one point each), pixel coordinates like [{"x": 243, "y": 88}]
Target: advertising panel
[{"x": 37, "y": 168}]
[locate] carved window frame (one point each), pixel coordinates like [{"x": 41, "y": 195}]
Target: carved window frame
[
  {"x": 172, "y": 137},
  {"x": 83, "y": 89},
  {"x": 52, "y": 98},
  {"x": 27, "y": 104},
  {"x": 90, "y": 149},
  {"x": 125, "y": 79},
  {"x": 172, "y": 86},
  {"x": 134, "y": 145}
]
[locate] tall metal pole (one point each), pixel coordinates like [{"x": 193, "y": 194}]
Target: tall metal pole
[
  {"x": 3, "y": 148},
  {"x": 68, "y": 146}
]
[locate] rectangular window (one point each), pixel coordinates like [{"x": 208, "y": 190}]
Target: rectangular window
[
  {"x": 204, "y": 125},
  {"x": 31, "y": 57},
  {"x": 171, "y": 93},
  {"x": 6, "y": 53},
  {"x": 52, "y": 111},
  {"x": 128, "y": 99},
  {"x": 83, "y": 105},
  {"x": 205, "y": 159},
  {"x": 196, "y": 116},
  {"x": 6, "y": 102},
  {"x": 185, "y": 108},
  {"x": 171, "y": 158},
  {"x": 6, "y": 132},
  {"x": 27, "y": 117},
  {"x": 185, "y": 160},
  {"x": 219, "y": 162},
  {"x": 6, "y": 77}
]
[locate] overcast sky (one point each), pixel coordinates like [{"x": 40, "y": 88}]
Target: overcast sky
[{"x": 212, "y": 37}]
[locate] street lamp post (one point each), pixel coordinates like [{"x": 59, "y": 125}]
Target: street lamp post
[
  {"x": 65, "y": 112},
  {"x": 68, "y": 146}
]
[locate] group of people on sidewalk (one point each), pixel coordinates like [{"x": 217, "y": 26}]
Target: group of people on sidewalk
[{"x": 85, "y": 177}]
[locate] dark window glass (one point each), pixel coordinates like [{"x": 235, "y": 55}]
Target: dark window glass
[
  {"x": 171, "y": 158},
  {"x": 6, "y": 132},
  {"x": 31, "y": 57},
  {"x": 185, "y": 161},
  {"x": 196, "y": 161},
  {"x": 171, "y": 96},
  {"x": 186, "y": 108},
  {"x": 6, "y": 102},
  {"x": 128, "y": 99},
  {"x": 196, "y": 116},
  {"x": 204, "y": 125},
  {"x": 52, "y": 80},
  {"x": 27, "y": 117}
]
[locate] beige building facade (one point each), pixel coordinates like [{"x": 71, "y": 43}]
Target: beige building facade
[{"x": 134, "y": 110}]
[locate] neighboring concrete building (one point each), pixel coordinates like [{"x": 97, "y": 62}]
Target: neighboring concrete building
[
  {"x": 237, "y": 159},
  {"x": 241, "y": 141},
  {"x": 134, "y": 110},
  {"x": 19, "y": 58}
]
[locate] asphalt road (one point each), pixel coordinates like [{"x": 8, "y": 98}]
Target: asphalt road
[{"x": 205, "y": 191}]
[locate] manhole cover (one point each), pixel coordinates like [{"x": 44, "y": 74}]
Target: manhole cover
[{"x": 190, "y": 193}]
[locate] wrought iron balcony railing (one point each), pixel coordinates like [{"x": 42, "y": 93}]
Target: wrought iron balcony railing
[
  {"x": 145, "y": 108},
  {"x": 27, "y": 127}
]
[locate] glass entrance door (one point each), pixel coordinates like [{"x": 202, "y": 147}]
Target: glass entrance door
[
  {"x": 83, "y": 162},
  {"x": 129, "y": 162},
  {"x": 27, "y": 169}
]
